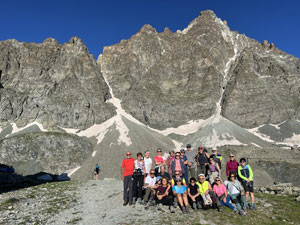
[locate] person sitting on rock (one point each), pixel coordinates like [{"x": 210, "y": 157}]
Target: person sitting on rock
[
  {"x": 232, "y": 165},
  {"x": 235, "y": 191},
  {"x": 246, "y": 175},
  {"x": 96, "y": 172},
  {"x": 163, "y": 196},
  {"x": 138, "y": 178},
  {"x": 207, "y": 194},
  {"x": 150, "y": 188},
  {"x": 194, "y": 194},
  {"x": 214, "y": 170},
  {"x": 159, "y": 161},
  {"x": 221, "y": 192},
  {"x": 180, "y": 191}
]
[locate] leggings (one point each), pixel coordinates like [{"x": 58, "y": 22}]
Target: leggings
[{"x": 138, "y": 182}]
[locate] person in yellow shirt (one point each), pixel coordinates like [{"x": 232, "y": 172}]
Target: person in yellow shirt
[{"x": 207, "y": 193}]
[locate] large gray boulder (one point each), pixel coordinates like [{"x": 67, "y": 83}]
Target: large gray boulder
[{"x": 56, "y": 85}]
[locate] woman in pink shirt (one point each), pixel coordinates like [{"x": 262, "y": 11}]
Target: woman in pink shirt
[
  {"x": 221, "y": 192},
  {"x": 159, "y": 161}
]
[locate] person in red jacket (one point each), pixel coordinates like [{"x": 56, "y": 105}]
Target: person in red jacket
[
  {"x": 232, "y": 166},
  {"x": 127, "y": 169}
]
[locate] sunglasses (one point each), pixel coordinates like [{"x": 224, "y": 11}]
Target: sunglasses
[
  {"x": 177, "y": 174},
  {"x": 218, "y": 180},
  {"x": 128, "y": 154},
  {"x": 201, "y": 178},
  {"x": 231, "y": 156},
  {"x": 152, "y": 173}
]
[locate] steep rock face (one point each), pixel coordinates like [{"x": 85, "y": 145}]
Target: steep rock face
[
  {"x": 51, "y": 83},
  {"x": 50, "y": 152},
  {"x": 264, "y": 87},
  {"x": 166, "y": 79}
]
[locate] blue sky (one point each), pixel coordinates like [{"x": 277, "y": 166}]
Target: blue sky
[{"x": 103, "y": 23}]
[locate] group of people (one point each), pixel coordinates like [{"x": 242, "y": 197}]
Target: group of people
[{"x": 173, "y": 181}]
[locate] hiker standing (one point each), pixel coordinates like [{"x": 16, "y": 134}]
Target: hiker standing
[
  {"x": 202, "y": 161},
  {"x": 96, "y": 172},
  {"x": 126, "y": 175},
  {"x": 190, "y": 154},
  {"x": 232, "y": 165},
  {"x": 246, "y": 175}
]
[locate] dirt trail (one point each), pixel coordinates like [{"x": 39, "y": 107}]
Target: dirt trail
[{"x": 101, "y": 202}]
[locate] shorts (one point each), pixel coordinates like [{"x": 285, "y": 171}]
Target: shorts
[{"x": 248, "y": 186}]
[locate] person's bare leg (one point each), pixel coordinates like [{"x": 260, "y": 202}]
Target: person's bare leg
[
  {"x": 247, "y": 196},
  {"x": 185, "y": 199},
  {"x": 252, "y": 197},
  {"x": 179, "y": 199}
]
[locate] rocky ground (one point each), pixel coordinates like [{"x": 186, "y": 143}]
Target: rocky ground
[{"x": 100, "y": 202}]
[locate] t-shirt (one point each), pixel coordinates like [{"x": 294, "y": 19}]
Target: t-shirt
[
  {"x": 234, "y": 190},
  {"x": 128, "y": 164},
  {"x": 183, "y": 180},
  {"x": 159, "y": 159},
  {"x": 161, "y": 189},
  {"x": 151, "y": 181},
  {"x": 177, "y": 165},
  {"x": 190, "y": 155},
  {"x": 193, "y": 189},
  {"x": 219, "y": 190},
  {"x": 147, "y": 161},
  {"x": 139, "y": 165},
  {"x": 179, "y": 190}
]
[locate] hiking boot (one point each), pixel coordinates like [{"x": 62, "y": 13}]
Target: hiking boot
[
  {"x": 194, "y": 205},
  {"x": 252, "y": 206},
  {"x": 159, "y": 206},
  {"x": 183, "y": 210},
  {"x": 153, "y": 202},
  {"x": 242, "y": 213},
  {"x": 145, "y": 202},
  {"x": 139, "y": 200},
  {"x": 199, "y": 206},
  {"x": 133, "y": 200},
  {"x": 130, "y": 203},
  {"x": 187, "y": 210},
  {"x": 219, "y": 208},
  {"x": 236, "y": 210},
  {"x": 125, "y": 203},
  {"x": 172, "y": 210}
]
